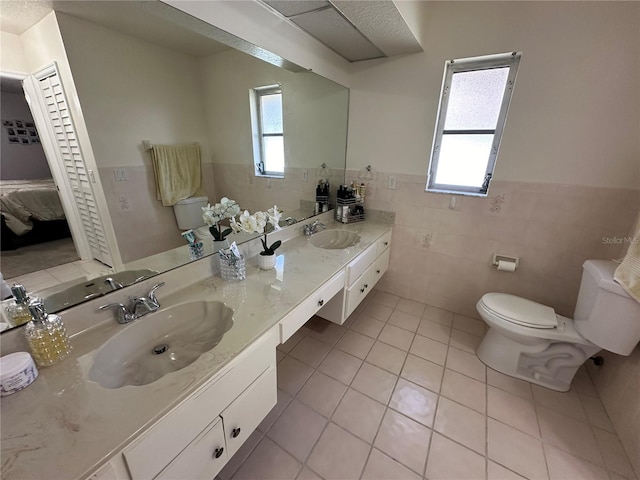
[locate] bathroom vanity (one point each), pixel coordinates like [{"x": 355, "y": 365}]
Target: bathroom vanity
[{"x": 190, "y": 422}]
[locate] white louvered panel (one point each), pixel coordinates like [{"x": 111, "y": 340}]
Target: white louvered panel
[{"x": 74, "y": 166}]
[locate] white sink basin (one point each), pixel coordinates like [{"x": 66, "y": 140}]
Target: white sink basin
[
  {"x": 159, "y": 343},
  {"x": 334, "y": 239}
]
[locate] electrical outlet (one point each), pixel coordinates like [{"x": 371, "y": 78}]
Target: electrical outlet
[
  {"x": 120, "y": 174},
  {"x": 391, "y": 183}
]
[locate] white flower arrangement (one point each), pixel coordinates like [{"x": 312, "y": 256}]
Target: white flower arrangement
[
  {"x": 256, "y": 223},
  {"x": 213, "y": 215}
]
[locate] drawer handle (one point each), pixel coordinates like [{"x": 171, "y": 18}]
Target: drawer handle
[
  {"x": 362, "y": 289},
  {"x": 235, "y": 432},
  {"x": 321, "y": 302},
  {"x": 217, "y": 453}
]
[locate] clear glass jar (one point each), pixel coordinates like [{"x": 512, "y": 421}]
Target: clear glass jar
[
  {"x": 46, "y": 335},
  {"x": 233, "y": 269}
]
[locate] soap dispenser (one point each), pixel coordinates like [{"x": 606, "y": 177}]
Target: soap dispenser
[
  {"x": 47, "y": 335},
  {"x": 18, "y": 312}
]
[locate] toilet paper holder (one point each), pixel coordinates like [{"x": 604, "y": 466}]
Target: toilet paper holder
[{"x": 505, "y": 258}]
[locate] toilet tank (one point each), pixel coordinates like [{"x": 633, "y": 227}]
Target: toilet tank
[
  {"x": 605, "y": 314},
  {"x": 189, "y": 212}
]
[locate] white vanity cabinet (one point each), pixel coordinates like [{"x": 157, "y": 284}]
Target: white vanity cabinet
[
  {"x": 197, "y": 438},
  {"x": 362, "y": 273}
]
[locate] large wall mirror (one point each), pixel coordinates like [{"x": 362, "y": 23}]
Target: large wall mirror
[{"x": 145, "y": 71}]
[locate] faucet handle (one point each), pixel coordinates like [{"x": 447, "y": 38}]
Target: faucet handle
[
  {"x": 123, "y": 314},
  {"x": 152, "y": 294}
]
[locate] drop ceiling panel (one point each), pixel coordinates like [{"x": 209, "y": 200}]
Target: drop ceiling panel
[
  {"x": 337, "y": 33},
  {"x": 289, "y": 8}
]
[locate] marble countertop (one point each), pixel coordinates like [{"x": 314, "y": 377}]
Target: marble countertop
[{"x": 65, "y": 426}]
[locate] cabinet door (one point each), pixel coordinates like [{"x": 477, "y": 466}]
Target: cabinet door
[
  {"x": 359, "y": 264},
  {"x": 360, "y": 288},
  {"x": 243, "y": 416},
  {"x": 381, "y": 266},
  {"x": 202, "y": 459}
]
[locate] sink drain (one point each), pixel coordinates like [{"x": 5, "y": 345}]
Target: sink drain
[{"x": 159, "y": 349}]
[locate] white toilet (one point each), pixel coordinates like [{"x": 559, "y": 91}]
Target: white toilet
[
  {"x": 189, "y": 216},
  {"x": 530, "y": 341}
]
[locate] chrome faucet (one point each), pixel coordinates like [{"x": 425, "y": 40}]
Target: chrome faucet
[
  {"x": 114, "y": 284},
  {"x": 139, "y": 308},
  {"x": 290, "y": 221},
  {"x": 312, "y": 228}
]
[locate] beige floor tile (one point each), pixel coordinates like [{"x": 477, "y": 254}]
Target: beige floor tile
[
  {"x": 438, "y": 315},
  {"x": 498, "y": 472},
  {"x": 465, "y": 390},
  {"x": 326, "y": 331},
  {"x": 341, "y": 366},
  {"x": 386, "y": 357},
  {"x": 429, "y": 349},
  {"x": 414, "y": 401},
  {"x": 464, "y": 341},
  {"x": 292, "y": 374},
  {"x": 516, "y": 450},
  {"x": 356, "y": 344},
  {"x": 375, "y": 382},
  {"x": 269, "y": 462},
  {"x": 451, "y": 461},
  {"x": 596, "y": 414},
  {"x": 359, "y": 415},
  {"x": 338, "y": 454},
  {"x": 240, "y": 456},
  {"x": 461, "y": 424},
  {"x": 293, "y": 340},
  {"x": 310, "y": 351},
  {"x": 283, "y": 400},
  {"x": 381, "y": 467},
  {"x": 378, "y": 311},
  {"x": 307, "y": 474},
  {"x": 563, "y": 466},
  {"x": 423, "y": 372},
  {"x": 469, "y": 325},
  {"x": 385, "y": 298},
  {"x": 466, "y": 363},
  {"x": 509, "y": 384},
  {"x": 411, "y": 307},
  {"x": 280, "y": 355},
  {"x": 404, "y": 440},
  {"x": 566, "y": 403},
  {"x": 613, "y": 453},
  {"x": 297, "y": 429},
  {"x": 367, "y": 325},
  {"x": 568, "y": 434},
  {"x": 434, "y": 331},
  {"x": 513, "y": 410},
  {"x": 582, "y": 383},
  {"x": 322, "y": 393},
  {"x": 396, "y": 337},
  {"x": 404, "y": 320}
]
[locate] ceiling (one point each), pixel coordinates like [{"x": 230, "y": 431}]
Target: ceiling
[{"x": 355, "y": 29}]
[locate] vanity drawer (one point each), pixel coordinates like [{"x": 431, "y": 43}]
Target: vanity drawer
[
  {"x": 303, "y": 312},
  {"x": 243, "y": 416},
  {"x": 361, "y": 287},
  {"x": 383, "y": 243},
  {"x": 169, "y": 436},
  {"x": 202, "y": 459},
  {"x": 381, "y": 265},
  {"x": 361, "y": 263}
]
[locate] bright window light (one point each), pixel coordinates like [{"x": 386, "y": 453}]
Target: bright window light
[{"x": 267, "y": 130}]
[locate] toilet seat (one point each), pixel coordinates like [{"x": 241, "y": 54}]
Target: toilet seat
[{"x": 519, "y": 311}]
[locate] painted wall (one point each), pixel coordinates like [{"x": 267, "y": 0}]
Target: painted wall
[
  {"x": 11, "y": 54},
  {"x": 19, "y": 161}
]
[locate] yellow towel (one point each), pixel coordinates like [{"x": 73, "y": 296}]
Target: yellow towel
[
  {"x": 628, "y": 273},
  {"x": 178, "y": 173}
]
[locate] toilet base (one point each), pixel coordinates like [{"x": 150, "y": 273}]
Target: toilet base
[{"x": 552, "y": 364}]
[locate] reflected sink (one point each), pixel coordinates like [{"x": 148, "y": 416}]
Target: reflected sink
[
  {"x": 159, "y": 343},
  {"x": 334, "y": 239}
]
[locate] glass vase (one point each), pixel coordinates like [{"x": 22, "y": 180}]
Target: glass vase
[{"x": 233, "y": 269}]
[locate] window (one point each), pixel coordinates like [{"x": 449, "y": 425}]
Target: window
[
  {"x": 473, "y": 109},
  {"x": 268, "y": 132}
]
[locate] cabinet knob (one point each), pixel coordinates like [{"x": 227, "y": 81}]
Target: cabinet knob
[
  {"x": 235, "y": 432},
  {"x": 321, "y": 302},
  {"x": 217, "y": 453},
  {"x": 378, "y": 271},
  {"x": 362, "y": 290},
  {"x": 386, "y": 244},
  {"x": 366, "y": 285}
]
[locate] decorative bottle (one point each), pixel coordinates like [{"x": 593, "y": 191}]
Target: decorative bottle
[
  {"x": 47, "y": 335},
  {"x": 18, "y": 312}
]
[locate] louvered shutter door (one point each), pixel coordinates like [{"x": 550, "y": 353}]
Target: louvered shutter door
[{"x": 67, "y": 142}]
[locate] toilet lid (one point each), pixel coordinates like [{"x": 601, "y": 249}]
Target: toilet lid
[{"x": 520, "y": 311}]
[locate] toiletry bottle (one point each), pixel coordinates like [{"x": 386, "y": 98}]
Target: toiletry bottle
[
  {"x": 18, "y": 312},
  {"x": 46, "y": 335}
]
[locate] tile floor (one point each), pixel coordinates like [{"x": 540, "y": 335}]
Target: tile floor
[
  {"x": 398, "y": 393},
  {"x": 60, "y": 274}
]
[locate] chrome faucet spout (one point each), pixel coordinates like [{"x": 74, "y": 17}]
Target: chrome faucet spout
[
  {"x": 113, "y": 283},
  {"x": 139, "y": 308}
]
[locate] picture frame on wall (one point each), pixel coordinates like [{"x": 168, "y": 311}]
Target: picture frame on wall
[
  {"x": 21, "y": 132},
  {"x": 29, "y": 125},
  {"x": 8, "y": 123},
  {"x": 14, "y": 140},
  {"x": 24, "y": 140},
  {"x": 11, "y": 131},
  {"x": 19, "y": 124}
]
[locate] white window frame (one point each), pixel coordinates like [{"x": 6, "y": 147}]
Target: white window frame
[
  {"x": 255, "y": 95},
  {"x": 485, "y": 62}
]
